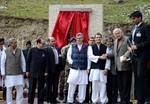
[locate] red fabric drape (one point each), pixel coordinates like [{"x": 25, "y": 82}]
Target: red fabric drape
[
  {"x": 61, "y": 28},
  {"x": 79, "y": 21}
]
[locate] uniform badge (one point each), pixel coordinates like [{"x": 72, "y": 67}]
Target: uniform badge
[{"x": 138, "y": 34}]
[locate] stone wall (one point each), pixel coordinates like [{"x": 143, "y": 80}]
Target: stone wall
[
  {"x": 108, "y": 28},
  {"x": 30, "y": 29}
]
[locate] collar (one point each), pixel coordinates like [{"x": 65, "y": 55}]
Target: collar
[{"x": 138, "y": 25}]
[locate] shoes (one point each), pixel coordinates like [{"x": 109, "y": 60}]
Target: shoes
[
  {"x": 69, "y": 103},
  {"x": 60, "y": 99}
]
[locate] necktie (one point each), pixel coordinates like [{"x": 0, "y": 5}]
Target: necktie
[{"x": 56, "y": 55}]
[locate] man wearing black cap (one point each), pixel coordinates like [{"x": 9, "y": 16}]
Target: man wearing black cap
[{"x": 140, "y": 50}]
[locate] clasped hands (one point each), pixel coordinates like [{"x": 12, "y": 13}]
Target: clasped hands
[
  {"x": 132, "y": 48},
  {"x": 103, "y": 56}
]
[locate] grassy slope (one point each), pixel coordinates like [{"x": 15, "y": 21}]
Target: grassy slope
[{"x": 38, "y": 9}]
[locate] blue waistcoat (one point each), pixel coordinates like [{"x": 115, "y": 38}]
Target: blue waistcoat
[{"x": 79, "y": 57}]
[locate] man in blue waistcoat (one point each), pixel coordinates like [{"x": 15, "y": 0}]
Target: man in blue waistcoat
[{"x": 78, "y": 75}]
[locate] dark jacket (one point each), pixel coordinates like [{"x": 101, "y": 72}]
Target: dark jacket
[
  {"x": 50, "y": 67},
  {"x": 142, "y": 40},
  {"x": 36, "y": 62}
]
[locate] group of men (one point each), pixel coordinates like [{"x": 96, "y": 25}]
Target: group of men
[
  {"x": 127, "y": 55},
  {"x": 39, "y": 64},
  {"x": 108, "y": 67}
]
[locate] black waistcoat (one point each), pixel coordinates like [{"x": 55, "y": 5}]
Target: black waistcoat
[{"x": 98, "y": 52}]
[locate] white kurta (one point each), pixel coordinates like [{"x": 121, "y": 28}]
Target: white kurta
[
  {"x": 76, "y": 76},
  {"x": 12, "y": 80},
  {"x": 1, "y": 83},
  {"x": 1, "y": 80},
  {"x": 95, "y": 74},
  {"x": 98, "y": 80}
]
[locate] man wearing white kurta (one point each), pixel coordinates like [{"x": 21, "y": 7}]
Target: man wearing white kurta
[
  {"x": 78, "y": 75},
  {"x": 98, "y": 74},
  {"x": 12, "y": 68},
  {"x": 1, "y": 50}
]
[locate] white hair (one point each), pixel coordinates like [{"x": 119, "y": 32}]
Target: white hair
[
  {"x": 11, "y": 40},
  {"x": 51, "y": 38},
  {"x": 119, "y": 30}
]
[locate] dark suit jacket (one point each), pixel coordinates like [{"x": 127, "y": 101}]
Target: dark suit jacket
[
  {"x": 50, "y": 67},
  {"x": 25, "y": 53},
  {"x": 60, "y": 65},
  {"x": 36, "y": 62},
  {"x": 142, "y": 40}
]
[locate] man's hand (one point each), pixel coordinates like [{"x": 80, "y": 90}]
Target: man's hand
[
  {"x": 88, "y": 71},
  {"x": 134, "y": 47},
  {"x": 103, "y": 56},
  {"x": 130, "y": 49},
  {"x": 105, "y": 71},
  {"x": 27, "y": 74}
]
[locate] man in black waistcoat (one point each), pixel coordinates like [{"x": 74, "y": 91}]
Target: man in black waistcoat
[{"x": 98, "y": 76}]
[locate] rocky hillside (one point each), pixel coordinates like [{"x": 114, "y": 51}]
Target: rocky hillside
[{"x": 23, "y": 29}]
